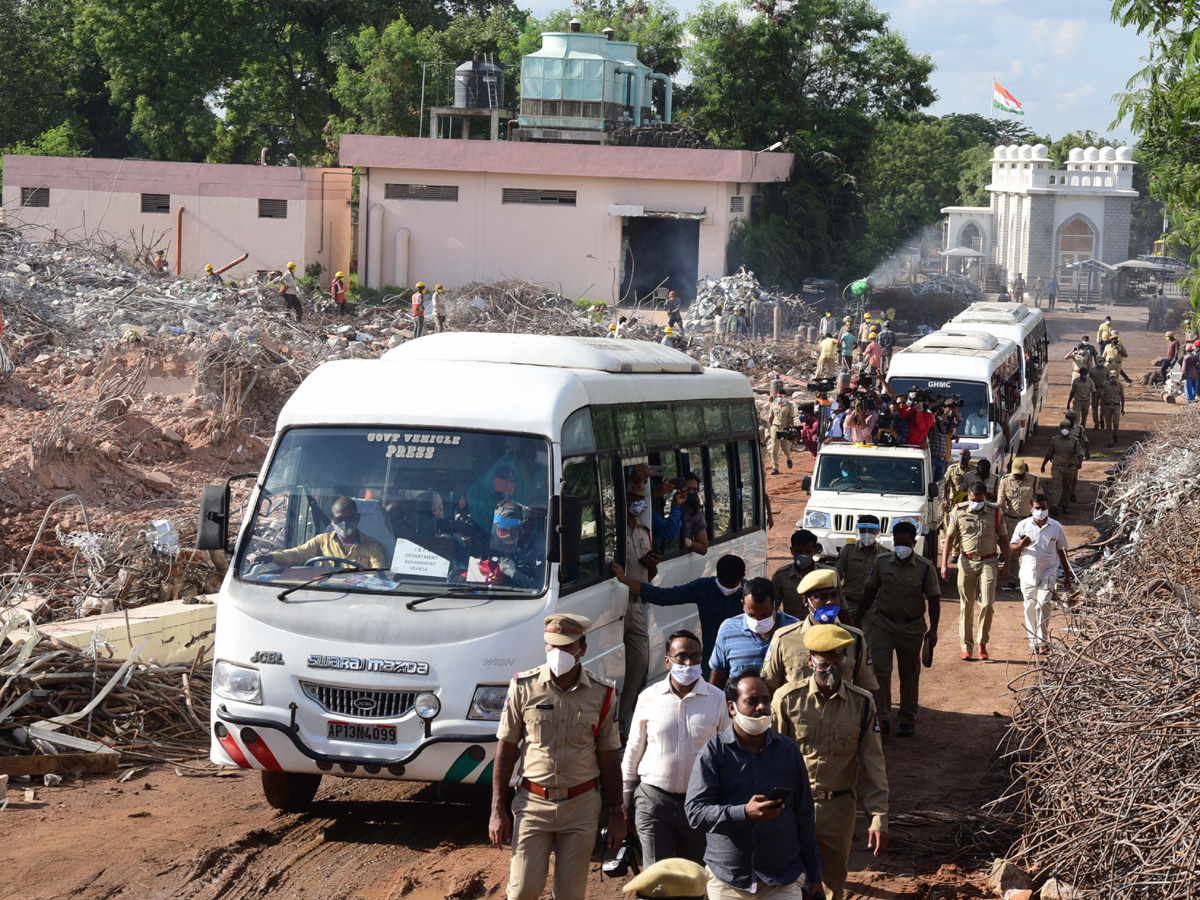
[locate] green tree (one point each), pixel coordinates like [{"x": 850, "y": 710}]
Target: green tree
[
  {"x": 974, "y": 175},
  {"x": 380, "y": 83}
]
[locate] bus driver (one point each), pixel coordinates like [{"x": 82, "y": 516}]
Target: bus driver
[{"x": 344, "y": 541}]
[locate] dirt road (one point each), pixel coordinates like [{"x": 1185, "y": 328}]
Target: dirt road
[{"x": 162, "y": 834}]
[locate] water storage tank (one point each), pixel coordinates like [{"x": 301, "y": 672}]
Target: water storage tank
[{"x": 479, "y": 85}]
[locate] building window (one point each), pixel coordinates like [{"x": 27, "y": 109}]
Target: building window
[
  {"x": 156, "y": 203},
  {"x": 737, "y": 204},
  {"x": 442, "y": 193},
  {"x": 35, "y": 197},
  {"x": 272, "y": 209},
  {"x": 538, "y": 197}
]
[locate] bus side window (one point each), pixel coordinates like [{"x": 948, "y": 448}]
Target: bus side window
[
  {"x": 579, "y": 480},
  {"x": 614, "y": 547},
  {"x": 670, "y": 463},
  {"x": 720, "y": 486},
  {"x": 748, "y": 479}
]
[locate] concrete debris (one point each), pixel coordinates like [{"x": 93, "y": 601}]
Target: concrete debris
[
  {"x": 160, "y": 482},
  {"x": 1054, "y": 889},
  {"x": 1005, "y": 876},
  {"x": 723, "y": 296},
  {"x": 956, "y": 286}
]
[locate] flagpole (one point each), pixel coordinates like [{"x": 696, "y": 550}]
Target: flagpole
[{"x": 992, "y": 100}]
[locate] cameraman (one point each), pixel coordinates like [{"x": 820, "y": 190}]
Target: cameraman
[
  {"x": 941, "y": 437},
  {"x": 916, "y": 412},
  {"x": 860, "y": 423}
]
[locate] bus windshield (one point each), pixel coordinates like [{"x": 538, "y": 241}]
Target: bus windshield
[
  {"x": 870, "y": 474},
  {"x": 429, "y": 508},
  {"x": 974, "y": 396}
]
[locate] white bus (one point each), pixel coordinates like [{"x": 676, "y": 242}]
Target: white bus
[
  {"x": 983, "y": 371},
  {"x": 402, "y": 673},
  {"x": 1025, "y": 327}
]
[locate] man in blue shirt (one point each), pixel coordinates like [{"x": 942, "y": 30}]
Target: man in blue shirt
[
  {"x": 750, "y": 792},
  {"x": 742, "y": 640},
  {"x": 716, "y": 598}
]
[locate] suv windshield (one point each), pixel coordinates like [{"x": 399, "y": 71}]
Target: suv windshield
[
  {"x": 974, "y": 396},
  {"x": 430, "y": 508},
  {"x": 870, "y": 475}
]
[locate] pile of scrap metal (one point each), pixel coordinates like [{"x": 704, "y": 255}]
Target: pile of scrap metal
[{"x": 723, "y": 296}]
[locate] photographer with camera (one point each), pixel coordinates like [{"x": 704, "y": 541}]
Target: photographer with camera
[{"x": 941, "y": 437}]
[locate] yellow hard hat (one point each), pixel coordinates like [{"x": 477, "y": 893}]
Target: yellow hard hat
[
  {"x": 420, "y": 285},
  {"x": 437, "y": 287},
  {"x": 340, "y": 275},
  {"x": 291, "y": 265},
  {"x": 873, "y": 334},
  {"x": 668, "y": 331},
  {"x": 208, "y": 267},
  {"x": 867, "y": 316},
  {"x": 612, "y": 326}
]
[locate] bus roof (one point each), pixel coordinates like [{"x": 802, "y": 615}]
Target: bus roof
[
  {"x": 598, "y": 354},
  {"x": 999, "y": 314},
  {"x": 965, "y": 356}
]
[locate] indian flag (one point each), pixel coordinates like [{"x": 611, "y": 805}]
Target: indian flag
[{"x": 1002, "y": 99}]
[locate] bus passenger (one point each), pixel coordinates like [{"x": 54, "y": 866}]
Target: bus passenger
[
  {"x": 344, "y": 542},
  {"x": 695, "y": 525},
  {"x": 642, "y": 562},
  {"x": 518, "y": 546}
]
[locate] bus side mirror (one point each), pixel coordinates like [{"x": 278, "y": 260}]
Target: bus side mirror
[
  {"x": 806, "y": 484},
  {"x": 931, "y": 491},
  {"x": 567, "y": 525},
  {"x": 212, "y": 528},
  {"x": 993, "y": 412}
]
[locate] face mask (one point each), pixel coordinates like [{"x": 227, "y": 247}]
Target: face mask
[
  {"x": 1064, "y": 431},
  {"x": 637, "y": 507},
  {"x": 1020, "y": 476},
  {"x": 759, "y": 626},
  {"x": 1041, "y": 514},
  {"x": 902, "y": 552},
  {"x": 729, "y": 592},
  {"x": 752, "y": 725},
  {"x": 693, "y": 499},
  {"x": 343, "y": 529},
  {"x": 827, "y": 674},
  {"x": 826, "y": 615},
  {"x": 976, "y": 505},
  {"x": 866, "y": 538},
  {"x": 684, "y": 675},
  {"x": 802, "y": 560},
  {"x": 560, "y": 661}
]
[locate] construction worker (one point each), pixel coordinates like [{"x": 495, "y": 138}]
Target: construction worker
[
  {"x": 566, "y": 717},
  {"x": 854, "y": 564},
  {"x": 1080, "y": 397},
  {"x": 1104, "y": 333},
  {"x": 900, "y": 629},
  {"x": 827, "y": 361},
  {"x": 1062, "y": 453},
  {"x": 833, "y": 724},
  {"x": 864, "y": 334},
  {"x": 672, "y": 879},
  {"x": 337, "y": 290},
  {"x": 289, "y": 289},
  {"x": 887, "y": 340},
  {"x": 1017, "y": 490},
  {"x": 782, "y": 416},
  {"x": 418, "y": 309},
  {"x": 826, "y": 325},
  {"x": 211, "y": 276},
  {"x": 982, "y": 535},
  {"x": 1114, "y": 404},
  {"x": 787, "y": 657},
  {"x": 668, "y": 337},
  {"x": 1085, "y": 451},
  {"x": 438, "y": 308},
  {"x": 674, "y": 312}
]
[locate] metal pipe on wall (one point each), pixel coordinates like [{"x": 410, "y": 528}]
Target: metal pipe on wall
[{"x": 659, "y": 76}]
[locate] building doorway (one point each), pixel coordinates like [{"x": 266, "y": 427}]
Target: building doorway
[
  {"x": 1076, "y": 243},
  {"x": 660, "y": 251}
]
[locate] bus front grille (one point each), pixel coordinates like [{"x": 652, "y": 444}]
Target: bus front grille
[{"x": 358, "y": 703}]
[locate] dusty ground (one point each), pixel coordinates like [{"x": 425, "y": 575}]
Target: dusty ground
[{"x": 165, "y": 835}]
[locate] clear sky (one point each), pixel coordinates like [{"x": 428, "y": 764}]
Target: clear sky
[{"x": 1062, "y": 59}]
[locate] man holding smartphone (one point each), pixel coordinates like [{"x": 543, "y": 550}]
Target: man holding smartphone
[
  {"x": 821, "y": 714},
  {"x": 758, "y": 848}
]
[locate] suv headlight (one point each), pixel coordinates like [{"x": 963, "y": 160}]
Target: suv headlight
[
  {"x": 488, "y": 702},
  {"x": 427, "y": 706},
  {"x": 234, "y": 682},
  {"x": 814, "y": 518}
]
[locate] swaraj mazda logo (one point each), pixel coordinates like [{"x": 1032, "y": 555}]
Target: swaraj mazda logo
[{"x": 359, "y": 664}]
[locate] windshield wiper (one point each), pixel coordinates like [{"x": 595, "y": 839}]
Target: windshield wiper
[
  {"x": 322, "y": 577},
  {"x": 462, "y": 592}
]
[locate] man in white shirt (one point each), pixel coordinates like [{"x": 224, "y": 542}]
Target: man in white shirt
[
  {"x": 1042, "y": 544},
  {"x": 672, "y": 722}
]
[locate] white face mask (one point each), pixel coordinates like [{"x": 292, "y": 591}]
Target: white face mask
[
  {"x": 866, "y": 538},
  {"x": 1041, "y": 514},
  {"x": 560, "y": 661},
  {"x": 728, "y": 592},
  {"x": 759, "y": 626},
  {"x": 902, "y": 552},
  {"x": 976, "y": 505},
  {"x": 684, "y": 675},
  {"x": 343, "y": 529},
  {"x": 1064, "y": 431},
  {"x": 752, "y": 725}
]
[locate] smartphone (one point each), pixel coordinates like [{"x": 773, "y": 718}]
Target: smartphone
[
  {"x": 780, "y": 794},
  {"x": 656, "y": 471}
]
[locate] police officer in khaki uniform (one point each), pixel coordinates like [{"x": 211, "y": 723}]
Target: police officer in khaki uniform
[
  {"x": 954, "y": 484},
  {"x": 982, "y": 534},
  {"x": 1098, "y": 376},
  {"x": 854, "y": 564},
  {"x": 1085, "y": 447},
  {"x": 782, "y": 416},
  {"x": 1017, "y": 490},
  {"x": 1062, "y": 453},
  {"x": 1080, "y": 398},
  {"x": 676, "y": 878},
  {"x": 833, "y": 724},
  {"x": 912, "y": 586},
  {"x": 567, "y": 718},
  {"x": 786, "y": 579},
  {"x": 1113, "y": 399},
  {"x": 787, "y": 656}
]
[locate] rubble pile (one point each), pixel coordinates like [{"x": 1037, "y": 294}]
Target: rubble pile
[
  {"x": 58, "y": 699},
  {"x": 721, "y": 296},
  {"x": 521, "y": 307},
  {"x": 1105, "y": 741}
]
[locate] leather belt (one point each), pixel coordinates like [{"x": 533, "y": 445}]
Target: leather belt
[
  {"x": 829, "y": 795},
  {"x": 553, "y": 793},
  {"x": 979, "y": 558}
]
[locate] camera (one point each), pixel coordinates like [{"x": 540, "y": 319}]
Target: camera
[
  {"x": 677, "y": 483},
  {"x": 822, "y": 385}
]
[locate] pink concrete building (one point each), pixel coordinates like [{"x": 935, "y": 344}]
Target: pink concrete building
[
  {"x": 198, "y": 213},
  {"x": 602, "y": 222}
]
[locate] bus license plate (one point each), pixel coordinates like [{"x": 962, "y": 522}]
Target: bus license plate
[{"x": 363, "y": 734}]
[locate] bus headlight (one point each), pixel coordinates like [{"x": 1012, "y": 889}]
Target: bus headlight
[
  {"x": 488, "y": 702},
  {"x": 915, "y": 520},
  {"x": 814, "y": 518},
  {"x": 234, "y": 682},
  {"x": 426, "y": 706}
]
